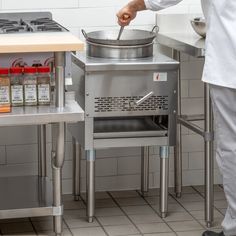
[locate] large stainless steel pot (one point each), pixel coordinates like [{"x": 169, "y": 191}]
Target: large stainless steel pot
[
  {"x": 119, "y": 52},
  {"x": 132, "y": 44},
  {"x": 128, "y": 37}
]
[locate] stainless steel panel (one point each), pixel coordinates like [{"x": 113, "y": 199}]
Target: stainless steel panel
[
  {"x": 130, "y": 142},
  {"x": 26, "y": 196},
  {"x": 128, "y": 128},
  {"x": 157, "y": 62},
  {"x": 26, "y": 15},
  {"x": 112, "y": 93},
  {"x": 183, "y": 42}
]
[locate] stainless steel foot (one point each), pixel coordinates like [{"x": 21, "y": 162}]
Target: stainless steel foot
[
  {"x": 77, "y": 198},
  {"x": 90, "y": 219},
  {"x": 209, "y": 224},
  {"x": 164, "y": 180},
  {"x": 178, "y": 195},
  {"x": 163, "y": 214}
]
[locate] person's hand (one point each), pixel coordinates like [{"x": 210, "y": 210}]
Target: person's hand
[
  {"x": 129, "y": 12},
  {"x": 126, "y": 15}
]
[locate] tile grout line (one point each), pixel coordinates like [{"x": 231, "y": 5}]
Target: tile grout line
[
  {"x": 203, "y": 225},
  {"x": 124, "y": 212},
  {"x": 204, "y": 198},
  {"x": 155, "y": 211},
  {"x": 82, "y": 199},
  {"x": 31, "y": 222},
  {"x": 63, "y": 221},
  {"x": 188, "y": 211}
]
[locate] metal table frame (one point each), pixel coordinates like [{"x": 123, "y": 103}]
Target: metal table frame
[
  {"x": 57, "y": 116},
  {"x": 207, "y": 133}
]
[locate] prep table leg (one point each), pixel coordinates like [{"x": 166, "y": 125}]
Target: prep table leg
[
  {"x": 42, "y": 160},
  {"x": 164, "y": 180},
  {"x": 144, "y": 170},
  {"x": 42, "y": 170},
  {"x": 76, "y": 169},
  {"x": 90, "y": 157},
  {"x": 209, "y": 159},
  {"x": 178, "y": 147},
  {"x": 58, "y": 136}
]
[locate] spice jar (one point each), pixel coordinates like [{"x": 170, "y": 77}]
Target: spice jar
[
  {"x": 30, "y": 86},
  {"x": 44, "y": 87},
  {"x": 17, "y": 92},
  {"x": 5, "y": 103}
]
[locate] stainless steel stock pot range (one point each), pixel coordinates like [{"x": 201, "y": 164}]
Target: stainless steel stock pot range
[{"x": 133, "y": 44}]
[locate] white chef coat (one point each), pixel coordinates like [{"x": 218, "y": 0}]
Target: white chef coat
[{"x": 220, "y": 58}]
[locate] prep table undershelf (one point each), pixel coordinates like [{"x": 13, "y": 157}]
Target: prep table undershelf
[
  {"x": 26, "y": 196},
  {"x": 72, "y": 112}
]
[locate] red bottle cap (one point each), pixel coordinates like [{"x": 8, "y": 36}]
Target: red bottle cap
[
  {"x": 16, "y": 70},
  {"x": 4, "y": 71},
  {"x": 30, "y": 70},
  {"x": 43, "y": 69}
]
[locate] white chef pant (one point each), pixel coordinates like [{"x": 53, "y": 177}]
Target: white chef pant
[{"x": 224, "y": 108}]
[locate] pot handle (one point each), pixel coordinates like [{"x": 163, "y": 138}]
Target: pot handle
[
  {"x": 155, "y": 27},
  {"x": 84, "y": 34}
]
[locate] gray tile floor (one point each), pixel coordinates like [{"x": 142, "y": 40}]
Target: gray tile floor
[{"x": 127, "y": 213}]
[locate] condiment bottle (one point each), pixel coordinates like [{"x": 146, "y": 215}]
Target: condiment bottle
[
  {"x": 44, "y": 87},
  {"x": 17, "y": 91},
  {"x": 5, "y": 103},
  {"x": 30, "y": 86}
]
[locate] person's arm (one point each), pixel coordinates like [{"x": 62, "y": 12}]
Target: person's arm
[{"x": 129, "y": 12}]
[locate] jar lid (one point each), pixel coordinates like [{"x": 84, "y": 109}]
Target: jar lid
[
  {"x": 16, "y": 70},
  {"x": 4, "y": 71},
  {"x": 30, "y": 70},
  {"x": 43, "y": 69}
]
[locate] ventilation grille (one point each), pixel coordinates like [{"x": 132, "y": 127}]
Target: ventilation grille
[{"x": 122, "y": 104}]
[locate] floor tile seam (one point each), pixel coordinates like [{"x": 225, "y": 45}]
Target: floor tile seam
[
  {"x": 189, "y": 212},
  {"x": 31, "y": 222},
  {"x": 101, "y": 226},
  {"x": 163, "y": 219},
  {"x": 204, "y": 199},
  {"x": 64, "y": 221},
  {"x": 125, "y": 213},
  {"x": 81, "y": 198}
]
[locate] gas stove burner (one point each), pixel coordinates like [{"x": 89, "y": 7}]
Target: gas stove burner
[
  {"x": 13, "y": 29},
  {"x": 40, "y": 21},
  {"x": 7, "y": 22},
  {"x": 52, "y": 28},
  {"x": 28, "y": 24}
]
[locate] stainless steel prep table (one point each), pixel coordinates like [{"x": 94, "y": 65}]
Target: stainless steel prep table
[
  {"x": 31, "y": 196},
  {"x": 191, "y": 44}
]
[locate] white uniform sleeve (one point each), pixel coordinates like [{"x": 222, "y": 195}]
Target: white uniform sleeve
[{"x": 156, "y": 5}]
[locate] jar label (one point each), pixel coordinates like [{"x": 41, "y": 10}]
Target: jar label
[
  {"x": 44, "y": 93},
  {"x": 30, "y": 93},
  {"x": 17, "y": 94},
  {"x": 4, "y": 95}
]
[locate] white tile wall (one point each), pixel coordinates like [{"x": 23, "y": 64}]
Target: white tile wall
[{"x": 115, "y": 168}]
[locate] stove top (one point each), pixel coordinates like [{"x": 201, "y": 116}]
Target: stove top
[{"x": 28, "y": 22}]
